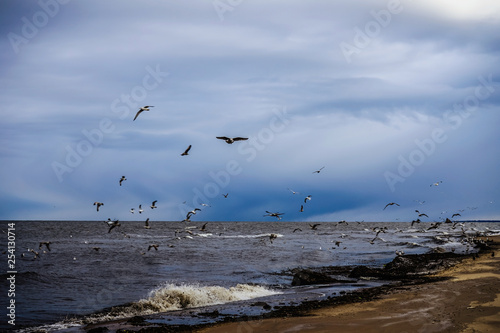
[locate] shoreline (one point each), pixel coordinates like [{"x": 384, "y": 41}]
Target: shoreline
[
  {"x": 462, "y": 298},
  {"x": 368, "y": 309}
]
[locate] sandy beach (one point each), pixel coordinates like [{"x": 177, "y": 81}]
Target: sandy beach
[{"x": 467, "y": 301}]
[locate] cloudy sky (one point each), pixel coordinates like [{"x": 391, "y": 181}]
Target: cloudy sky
[{"x": 389, "y": 97}]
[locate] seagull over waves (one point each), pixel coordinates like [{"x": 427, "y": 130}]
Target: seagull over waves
[
  {"x": 112, "y": 224},
  {"x": 272, "y": 236},
  {"x": 390, "y": 204},
  {"x": 456, "y": 214},
  {"x": 98, "y": 204},
  {"x": 153, "y": 205},
  {"x": 144, "y": 108},
  {"x": 186, "y": 151},
  {"x": 155, "y": 246},
  {"x": 193, "y": 212},
  {"x": 122, "y": 179},
  {"x": 47, "y": 245},
  {"x": 140, "y": 209},
  {"x": 277, "y": 215},
  {"x": 231, "y": 140},
  {"x": 314, "y": 226},
  {"x": 146, "y": 224},
  {"x": 307, "y": 198}
]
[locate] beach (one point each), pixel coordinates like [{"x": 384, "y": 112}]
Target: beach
[{"x": 466, "y": 300}]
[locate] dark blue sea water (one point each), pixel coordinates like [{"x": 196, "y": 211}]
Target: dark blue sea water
[{"x": 88, "y": 269}]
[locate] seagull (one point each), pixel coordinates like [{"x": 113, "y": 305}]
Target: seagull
[
  {"x": 314, "y": 226},
  {"x": 122, "y": 179},
  {"x": 307, "y": 198},
  {"x": 434, "y": 226},
  {"x": 225, "y": 195},
  {"x": 153, "y": 204},
  {"x": 203, "y": 227},
  {"x": 423, "y": 214},
  {"x": 277, "y": 215},
  {"x": 140, "y": 209},
  {"x": 338, "y": 243},
  {"x": 436, "y": 183},
  {"x": 111, "y": 224},
  {"x": 297, "y": 229},
  {"x": 132, "y": 210},
  {"x": 144, "y": 108},
  {"x": 415, "y": 221},
  {"x": 193, "y": 212},
  {"x": 272, "y": 236},
  {"x": 98, "y": 204},
  {"x": 319, "y": 170},
  {"x": 231, "y": 140},
  {"x": 390, "y": 204},
  {"x": 205, "y": 205},
  {"x": 456, "y": 214},
  {"x": 186, "y": 151},
  {"x": 46, "y": 245},
  {"x": 155, "y": 246},
  {"x": 146, "y": 224},
  {"x": 293, "y": 192},
  {"x": 301, "y": 208}
]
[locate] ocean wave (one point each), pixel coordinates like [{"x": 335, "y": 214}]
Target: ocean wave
[{"x": 251, "y": 236}]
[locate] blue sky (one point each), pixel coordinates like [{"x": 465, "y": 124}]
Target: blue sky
[{"x": 388, "y": 96}]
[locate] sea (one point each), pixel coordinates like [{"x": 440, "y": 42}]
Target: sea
[{"x": 92, "y": 274}]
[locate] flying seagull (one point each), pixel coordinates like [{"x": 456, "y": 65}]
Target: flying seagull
[
  {"x": 112, "y": 224},
  {"x": 293, "y": 192},
  {"x": 314, "y": 226},
  {"x": 98, "y": 204},
  {"x": 277, "y": 215},
  {"x": 436, "y": 183},
  {"x": 47, "y": 245},
  {"x": 301, "y": 208},
  {"x": 191, "y": 213},
  {"x": 132, "y": 210},
  {"x": 319, "y": 170},
  {"x": 122, "y": 179},
  {"x": 225, "y": 195},
  {"x": 456, "y": 214},
  {"x": 155, "y": 246},
  {"x": 272, "y": 236},
  {"x": 153, "y": 205},
  {"x": 390, "y": 204},
  {"x": 186, "y": 152},
  {"x": 231, "y": 140},
  {"x": 307, "y": 198},
  {"x": 203, "y": 227},
  {"x": 144, "y": 108},
  {"x": 146, "y": 224},
  {"x": 140, "y": 209}
]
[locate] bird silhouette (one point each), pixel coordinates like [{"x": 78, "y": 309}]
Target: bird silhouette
[
  {"x": 186, "y": 152},
  {"x": 231, "y": 140},
  {"x": 144, "y": 108}
]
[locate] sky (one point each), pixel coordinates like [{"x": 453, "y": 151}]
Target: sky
[{"x": 387, "y": 97}]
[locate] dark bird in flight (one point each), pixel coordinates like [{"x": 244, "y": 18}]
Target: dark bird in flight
[
  {"x": 153, "y": 205},
  {"x": 434, "y": 226},
  {"x": 112, "y": 224},
  {"x": 47, "y": 245},
  {"x": 307, "y": 198},
  {"x": 146, "y": 224},
  {"x": 225, "y": 195},
  {"x": 390, "y": 204},
  {"x": 144, "y": 108},
  {"x": 423, "y": 214},
  {"x": 191, "y": 213},
  {"x": 314, "y": 226},
  {"x": 186, "y": 151},
  {"x": 415, "y": 221},
  {"x": 301, "y": 208},
  {"x": 122, "y": 179},
  {"x": 277, "y": 215},
  {"x": 203, "y": 227},
  {"x": 155, "y": 246},
  {"x": 272, "y": 237},
  {"x": 456, "y": 214},
  {"x": 98, "y": 204},
  {"x": 319, "y": 170},
  {"x": 297, "y": 229},
  {"x": 231, "y": 140}
]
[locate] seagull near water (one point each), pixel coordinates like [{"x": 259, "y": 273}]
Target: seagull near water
[
  {"x": 144, "y": 108},
  {"x": 112, "y": 224},
  {"x": 146, "y": 224},
  {"x": 98, "y": 204},
  {"x": 390, "y": 204},
  {"x": 277, "y": 215},
  {"x": 153, "y": 204},
  {"x": 231, "y": 140}
]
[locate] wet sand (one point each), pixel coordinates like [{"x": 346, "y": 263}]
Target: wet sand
[{"x": 467, "y": 301}]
